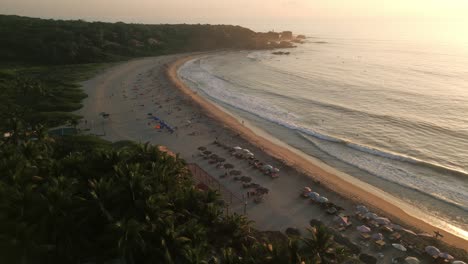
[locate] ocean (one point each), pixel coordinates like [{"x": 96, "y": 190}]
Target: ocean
[{"x": 392, "y": 114}]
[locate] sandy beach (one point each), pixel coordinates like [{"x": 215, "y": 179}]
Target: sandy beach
[{"x": 133, "y": 91}]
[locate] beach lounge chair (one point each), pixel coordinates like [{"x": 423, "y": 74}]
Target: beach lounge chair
[
  {"x": 379, "y": 244},
  {"x": 395, "y": 236},
  {"x": 365, "y": 236}
]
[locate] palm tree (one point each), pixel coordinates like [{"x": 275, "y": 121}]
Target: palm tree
[{"x": 319, "y": 245}]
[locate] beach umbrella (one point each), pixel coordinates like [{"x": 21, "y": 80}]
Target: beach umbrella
[
  {"x": 399, "y": 247},
  {"x": 276, "y": 170},
  {"x": 396, "y": 227},
  {"x": 458, "y": 262},
  {"x": 341, "y": 220},
  {"x": 267, "y": 167},
  {"x": 424, "y": 235},
  {"x": 314, "y": 195},
  {"x": 246, "y": 179},
  {"x": 362, "y": 209},
  {"x": 446, "y": 256},
  {"x": 370, "y": 215},
  {"x": 263, "y": 190},
  {"x": 322, "y": 199},
  {"x": 254, "y": 185},
  {"x": 377, "y": 236},
  {"x": 411, "y": 232},
  {"x": 382, "y": 220},
  {"x": 235, "y": 172},
  {"x": 237, "y": 148},
  {"x": 412, "y": 260},
  {"x": 433, "y": 251},
  {"x": 307, "y": 189},
  {"x": 228, "y": 166},
  {"x": 246, "y": 151},
  {"x": 363, "y": 229}
]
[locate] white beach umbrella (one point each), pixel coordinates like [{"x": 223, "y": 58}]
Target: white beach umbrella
[
  {"x": 382, "y": 220},
  {"x": 362, "y": 209},
  {"x": 458, "y": 262},
  {"x": 267, "y": 167},
  {"x": 431, "y": 250},
  {"x": 314, "y": 195},
  {"x": 322, "y": 199},
  {"x": 276, "y": 170},
  {"x": 399, "y": 247},
  {"x": 412, "y": 260},
  {"x": 246, "y": 150},
  {"x": 237, "y": 148},
  {"x": 377, "y": 236},
  {"x": 370, "y": 215},
  {"x": 363, "y": 229},
  {"x": 425, "y": 235},
  {"x": 446, "y": 256},
  {"x": 411, "y": 232}
]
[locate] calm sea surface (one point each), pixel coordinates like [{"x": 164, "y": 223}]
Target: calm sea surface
[{"x": 392, "y": 114}]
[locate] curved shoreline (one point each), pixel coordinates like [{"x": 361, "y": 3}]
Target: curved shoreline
[{"x": 342, "y": 184}]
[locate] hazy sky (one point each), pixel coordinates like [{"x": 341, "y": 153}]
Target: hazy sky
[{"x": 442, "y": 20}]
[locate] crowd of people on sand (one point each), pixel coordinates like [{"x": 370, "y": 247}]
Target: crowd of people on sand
[
  {"x": 253, "y": 190},
  {"x": 381, "y": 232}
]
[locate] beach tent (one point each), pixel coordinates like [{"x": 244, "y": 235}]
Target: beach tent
[
  {"x": 363, "y": 229},
  {"x": 432, "y": 251},
  {"x": 412, "y": 260},
  {"x": 399, "y": 247},
  {"x": 362, "y": 209},
  {"x": 446, "y": 256}
]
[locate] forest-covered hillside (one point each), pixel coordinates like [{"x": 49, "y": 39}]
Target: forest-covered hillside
[{"x": 47, "y": 41}]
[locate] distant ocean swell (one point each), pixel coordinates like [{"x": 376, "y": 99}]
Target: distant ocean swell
[{"x": 217, "y": 88}]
